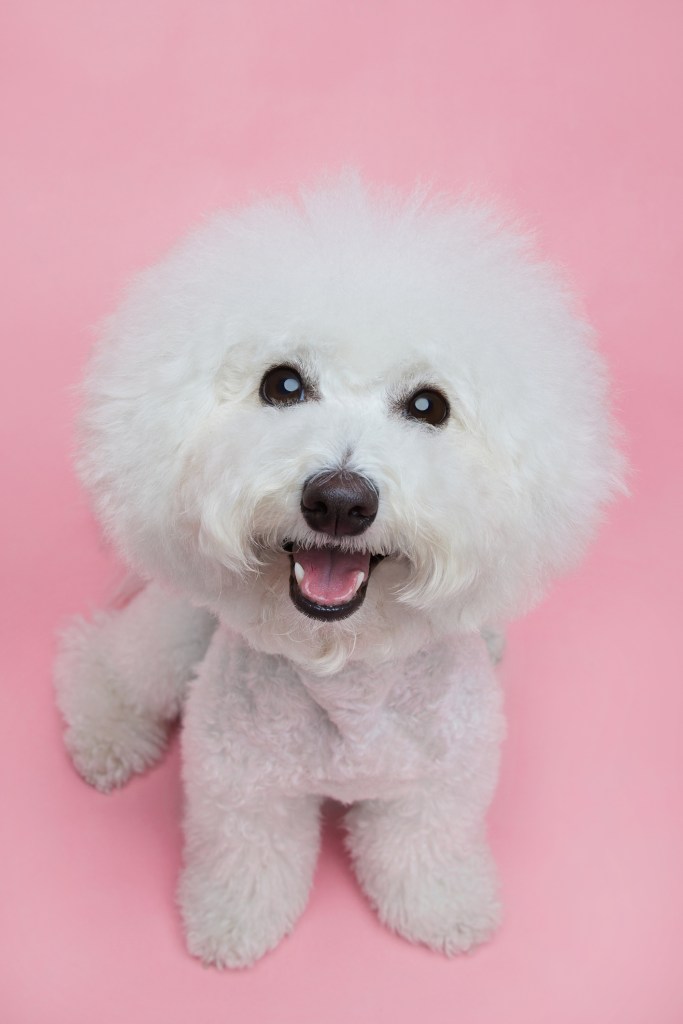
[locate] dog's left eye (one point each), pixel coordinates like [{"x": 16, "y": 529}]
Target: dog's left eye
[
  {"x": 428, "y": 406},
  {"x": 282, "y": 386}
]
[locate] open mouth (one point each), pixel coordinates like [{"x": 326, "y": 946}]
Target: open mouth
[{"x": 329, "y": 583}]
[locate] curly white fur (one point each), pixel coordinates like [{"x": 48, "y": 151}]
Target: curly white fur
[{"x": 394, "y": 709}]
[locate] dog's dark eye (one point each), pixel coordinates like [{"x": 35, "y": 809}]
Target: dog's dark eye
[
  {"x": 282, "y": 386},
  {"x": 428, "y": 406}
]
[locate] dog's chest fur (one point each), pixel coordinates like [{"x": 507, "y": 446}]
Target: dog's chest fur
[{"x": 359, "y": 734}]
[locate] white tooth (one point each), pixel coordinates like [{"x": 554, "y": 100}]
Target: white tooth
[
  {"x": 360, "y": 576},
  {"x": 299, "y": 572}
]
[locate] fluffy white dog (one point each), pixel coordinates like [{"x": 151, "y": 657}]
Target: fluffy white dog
[{"x": 339, "y": 437}]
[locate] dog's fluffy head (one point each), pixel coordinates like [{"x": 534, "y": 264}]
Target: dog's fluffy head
[{"x": 369, "y": 299}]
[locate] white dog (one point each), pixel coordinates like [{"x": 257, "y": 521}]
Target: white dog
[{"x": 339, "y": 438}]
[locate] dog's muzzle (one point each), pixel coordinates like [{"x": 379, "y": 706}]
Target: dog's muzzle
[{"x": 328, "y": 582}]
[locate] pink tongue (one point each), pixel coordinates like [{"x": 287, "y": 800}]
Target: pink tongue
[{"x": 330, "y": 575}]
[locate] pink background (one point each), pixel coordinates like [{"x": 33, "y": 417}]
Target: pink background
[{"x": 123, "y": 123}]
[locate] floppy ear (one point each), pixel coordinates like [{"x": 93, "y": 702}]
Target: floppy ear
[
  {"x": 580, "y": 467},
  {"x": 569, "y": 469},
  {"x": 148, "y": 385}
]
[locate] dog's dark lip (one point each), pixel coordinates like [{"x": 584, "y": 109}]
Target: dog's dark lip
[{"x": 326, "y": 613}]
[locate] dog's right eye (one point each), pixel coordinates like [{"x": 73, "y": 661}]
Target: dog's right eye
[{"x": 282, "y": 386}]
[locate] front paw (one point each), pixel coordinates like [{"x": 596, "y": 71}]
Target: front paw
[
  {"x": 423, "y": 886},
  {"x": 106, "y": 752},
  {"x": 451, "y": 909},
  {"x": 232, "y": 919},
  {"x": 108, "y": 739}
]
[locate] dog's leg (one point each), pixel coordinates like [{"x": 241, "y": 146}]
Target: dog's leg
[
  {"x": 250, "y": 849},
  {"x": 120, "y": 682},
  {"x": 247, "y": 877},
  {"x": 426, "y": 867},
  {"x": 248, "y": 874}
]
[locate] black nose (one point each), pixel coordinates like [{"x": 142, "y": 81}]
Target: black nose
[{"x": 339, "y": 503}]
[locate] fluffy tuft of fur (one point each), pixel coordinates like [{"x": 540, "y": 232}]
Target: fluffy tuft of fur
[{"x": 369, "y": 297}]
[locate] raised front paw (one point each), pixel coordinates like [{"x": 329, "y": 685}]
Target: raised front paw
[
  {"x": 106, "y": 752},
  {"x": 109, "y": 738}
]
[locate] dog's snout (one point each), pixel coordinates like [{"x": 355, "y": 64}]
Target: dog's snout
[{"x": 339, "y": 503}]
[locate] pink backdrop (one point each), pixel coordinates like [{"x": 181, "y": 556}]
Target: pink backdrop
[{"x": 122, "y": 123}]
